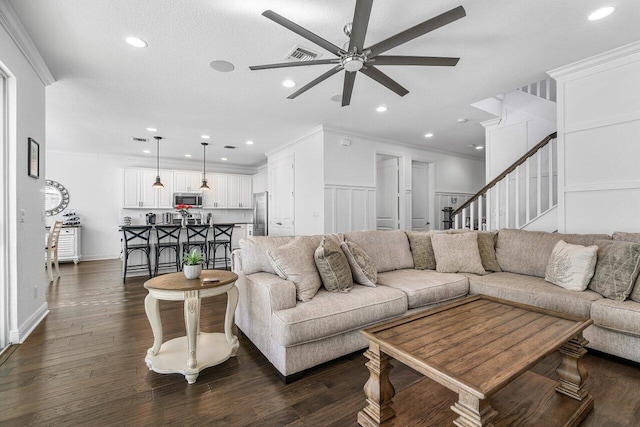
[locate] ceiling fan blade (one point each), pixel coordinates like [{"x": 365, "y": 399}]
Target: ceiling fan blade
[
  {"x": 360, "y": 24},
  {"x": 436, "y": 61},
  {"x": 302, "y": 32},
  {"x": 384, "y": 80},
  {"x": 349, "y": 80},
  {"x": 314, "y": 82},
  {"x": 417, "y": 31},
  {"x": 295, "y": 64}
]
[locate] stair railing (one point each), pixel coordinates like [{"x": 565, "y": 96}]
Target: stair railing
[{"x": 509, "y": 199}]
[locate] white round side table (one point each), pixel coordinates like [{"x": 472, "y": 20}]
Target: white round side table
[{"x": 196, "y": 351}]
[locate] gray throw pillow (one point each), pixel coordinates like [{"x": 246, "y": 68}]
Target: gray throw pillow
[
  {"x": 362, "y": 267},
  {"x": 486, "y": 246},
  {"x": 633, "y": 238},
  {"x": 295, "y": 262},
  {"x": 422, "y": 250},
  {"x": 457, "y": 253},
  {"x": 333, "y": 267},
  {"x": 617, "y": 269}
]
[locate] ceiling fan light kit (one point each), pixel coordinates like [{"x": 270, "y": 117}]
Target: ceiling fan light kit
[{"x": 355, "y": 57}]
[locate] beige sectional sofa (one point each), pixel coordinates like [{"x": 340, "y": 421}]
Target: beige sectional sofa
[{"x": 296, "y": 335}]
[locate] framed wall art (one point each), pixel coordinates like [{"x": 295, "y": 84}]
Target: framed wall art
[{"x": 34, "y": 159}]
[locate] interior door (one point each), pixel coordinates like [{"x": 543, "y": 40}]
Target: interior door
[
  {"x": 387, "y": 193},
  {"x": 420, "y": 212},
  {"x": 281, "y": 192}
]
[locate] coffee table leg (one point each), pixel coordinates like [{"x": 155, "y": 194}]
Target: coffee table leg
[
  {"x": 571, "y": 372},
  {"x": 378, "y": 389},
  {"x": 473, "y": 412},
  {"x": 191, "y": 319},
  {"x": 232, "y": 303}
]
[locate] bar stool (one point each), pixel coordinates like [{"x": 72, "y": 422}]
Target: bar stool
[
  {"x": 167, "y": 237},
  {"x": 52, "y": 249},
  {"x": 221, "y": 237},
  {"x": 196, "y": 238},
  {"x": 136, "y": 238}
]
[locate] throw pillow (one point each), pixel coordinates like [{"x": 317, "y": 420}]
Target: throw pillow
[
  {"x": 486, "y": 246},
  {"x": 457, "y": 253},
  {"x": 362, "y": 267},
  {"x": 617, "y": 269},
  {"x": 333, "y": 267},
  {"x": 633, "y": 238},
  {"x": 295, "y": 262},
  {"x": 571, "y": 266},
  {"x": 422, "y": 250}
]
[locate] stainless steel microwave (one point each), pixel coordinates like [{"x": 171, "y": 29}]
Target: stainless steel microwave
[{"x": 193, "y": 199}]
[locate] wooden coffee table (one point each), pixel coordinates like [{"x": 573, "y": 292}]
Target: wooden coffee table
[{"x": 480, "y": 348}]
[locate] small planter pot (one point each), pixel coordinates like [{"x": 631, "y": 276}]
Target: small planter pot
[{"x": 192, "y": 271}]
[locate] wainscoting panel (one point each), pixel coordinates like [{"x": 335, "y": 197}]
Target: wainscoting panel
[{"x": 349, "y": 208}]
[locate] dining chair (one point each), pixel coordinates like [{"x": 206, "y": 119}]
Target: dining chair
[
  {"x": 221, "y": 238},
  {"x": 136, "y": 238},
  {"x": 52, "y": 249},
  {"x": 167, "y": 237}
]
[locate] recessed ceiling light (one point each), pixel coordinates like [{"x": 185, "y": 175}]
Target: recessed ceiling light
[
  {"x": 428, "y": 135},
  {"x": 601, "y": 13},
  {"x": 135, "y": 41},
  {"x": 288, "y": 83},
  {"x": 222, "y": 66},
  {"x": 146, "y": 151},
  {"x": 224, "y": 159},
  {"x": 479, "y": 147},
  {"x": 337, "y": 98},
  {"x": 381, "y": 109},
  {"x": 205, "y": 136},
  {"x": 187, "y": 155},
  {"x": 462, "y": 120},
  {"x": 249, "y": 142},
  {"x": 152, "y": 129}
]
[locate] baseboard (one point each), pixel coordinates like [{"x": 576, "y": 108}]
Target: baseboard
[
  {"x": 18, "y": 336},
  {"x": 98, "y": 257}
]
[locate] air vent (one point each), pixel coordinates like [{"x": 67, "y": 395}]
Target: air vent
[
  {"x": 299, "y": 53},
  {"x": 136, "y": 139},
  {"x": 230, "y": 147}
]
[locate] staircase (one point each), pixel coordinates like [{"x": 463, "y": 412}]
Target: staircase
[{"x": 523, "y": 196}]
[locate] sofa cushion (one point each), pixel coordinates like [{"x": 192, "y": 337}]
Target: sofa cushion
[
  {"x": 486, "y": 246},
  {"x": 533, "y": 291},
  {"x": 457, "y": 253},
  {"x": 389, "y": 250},
  {"x": 363, "y": 269},
  {"x": 294, "y": 261},
  {"x": 617, "y": 269},
  {"x": 425, "y": 287},
  {"x": 329, "y": 314},
  {"x": 621, "y": 316},
  {"x": 527, "y": 252},
  {"x": 422, "y": 250},
  {"x": 633, "y": 238},
  {"x": 253, "y": 253},
  {"x": 333, "y": 267},
  {"x": 571, "y": 266}
]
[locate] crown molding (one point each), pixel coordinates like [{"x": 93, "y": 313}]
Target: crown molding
[
  {"x": 563, "y": 72},
  {"x": 297, "y": 139},
  {"x": 11, "y": 22}
]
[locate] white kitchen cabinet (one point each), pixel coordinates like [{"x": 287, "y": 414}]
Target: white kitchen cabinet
[
  {"x": 69, "y": 244},
  {"x": 140, "y": 193},
  {"x": 187, "y": 182},
  {"x": 240, "y": 193},
  {"x": 216, "y": 197}
]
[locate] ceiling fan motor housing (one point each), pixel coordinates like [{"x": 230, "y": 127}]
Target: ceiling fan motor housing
[{"x": 353, "y": 63}]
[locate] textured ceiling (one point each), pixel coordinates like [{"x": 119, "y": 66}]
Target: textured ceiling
[{"x": 107, "y": 91}]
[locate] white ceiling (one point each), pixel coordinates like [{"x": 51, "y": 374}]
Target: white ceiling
[{"x": 107, "y": 91}]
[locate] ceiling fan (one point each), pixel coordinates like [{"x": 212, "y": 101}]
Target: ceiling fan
[{"x": 358, "y": 58}]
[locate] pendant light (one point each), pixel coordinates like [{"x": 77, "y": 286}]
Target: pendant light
[
  {"x": 158, "y": 184},
  {"x": 204, "y": 185}
]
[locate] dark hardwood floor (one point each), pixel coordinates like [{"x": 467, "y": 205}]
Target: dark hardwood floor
[{"x": 84, "y": 365}]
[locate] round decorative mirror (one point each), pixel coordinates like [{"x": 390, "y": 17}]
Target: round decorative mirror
[{"x": 56, "y": 198}]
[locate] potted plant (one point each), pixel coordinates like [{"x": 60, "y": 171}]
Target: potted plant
[{"x": 193, "y": 264}]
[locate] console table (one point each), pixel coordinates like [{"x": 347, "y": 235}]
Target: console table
[{"x": 196, "y": 351}]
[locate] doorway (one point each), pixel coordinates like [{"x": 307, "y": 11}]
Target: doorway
[
  {"x": 4, "y": 216},
  {"x": 421, "y": 207},
  {"x": 387, "y": 192}
]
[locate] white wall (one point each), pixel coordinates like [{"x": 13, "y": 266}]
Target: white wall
[
  {"x": 308, "y": 181},
  {"x": 261, "y": 180},
  {"x": 26, "y": 96},
  {"x": 598, "y": 142},
  {"x": 96, "y": 185}
]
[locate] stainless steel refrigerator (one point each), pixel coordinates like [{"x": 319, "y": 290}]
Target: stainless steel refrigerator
[{"x": 260, "y": 214}]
